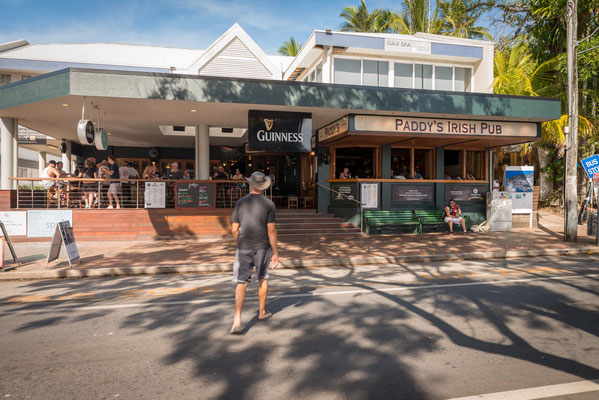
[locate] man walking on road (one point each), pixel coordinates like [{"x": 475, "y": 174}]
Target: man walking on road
[{"x": 254, "y": 231}]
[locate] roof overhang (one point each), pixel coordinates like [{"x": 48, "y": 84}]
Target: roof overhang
[{"x": 137, "y": 103}]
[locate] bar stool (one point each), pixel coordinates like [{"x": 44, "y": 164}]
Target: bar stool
[
  {"x": 292, "y": 201},
  {"x": 52, "y": 199}
]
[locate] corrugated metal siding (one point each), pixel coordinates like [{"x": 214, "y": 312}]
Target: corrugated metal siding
[{"x": 236, "y": 60}]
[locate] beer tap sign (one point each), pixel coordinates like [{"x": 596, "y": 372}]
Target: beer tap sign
[{"x": 86, "y": 131}]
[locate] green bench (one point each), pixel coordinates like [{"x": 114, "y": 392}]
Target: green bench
[
  {"x": 434, "y": 218},
  {"x": 380, "y": 219}
]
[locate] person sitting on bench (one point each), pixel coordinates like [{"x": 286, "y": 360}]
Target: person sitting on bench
[{"x": 453, "y": 215}]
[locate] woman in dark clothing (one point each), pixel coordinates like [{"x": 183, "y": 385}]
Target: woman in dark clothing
[{"x": 90, "y": 189}]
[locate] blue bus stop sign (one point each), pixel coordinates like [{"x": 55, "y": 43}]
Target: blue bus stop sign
[{"x": 591, "y": 165}]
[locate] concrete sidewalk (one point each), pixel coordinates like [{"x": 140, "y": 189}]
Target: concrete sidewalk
[{"x": 192, "y": 256}]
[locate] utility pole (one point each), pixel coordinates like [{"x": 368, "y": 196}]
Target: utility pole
[{"x": 571, "y": 155}]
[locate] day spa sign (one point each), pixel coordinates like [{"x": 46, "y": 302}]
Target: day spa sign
[
  {"x": 279, "y": 131},
  {"x": 443, "y": 126}
]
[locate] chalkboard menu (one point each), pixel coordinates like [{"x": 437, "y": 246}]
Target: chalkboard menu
[{"x": 195, "y": 195}]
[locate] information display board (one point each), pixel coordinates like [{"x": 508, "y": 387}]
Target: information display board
[
  {"x": 465, "y": 192},
  {"x": 369, "y": 195},
  {"x": 400, "y": 192},
  {"x": 15, "y": 222},
  {"x": 519, "y": 181},
  {"x": 195, "y": 195},
  {"x": 155, "y": 195},
  {"x": 346, "y": 192},
  {"x": 42, "y": 223}
]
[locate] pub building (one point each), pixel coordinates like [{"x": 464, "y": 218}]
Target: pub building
[{"x": 412, "y": 117}]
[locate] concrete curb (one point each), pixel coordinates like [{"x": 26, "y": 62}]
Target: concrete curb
[{"x": 288, "y": 264}]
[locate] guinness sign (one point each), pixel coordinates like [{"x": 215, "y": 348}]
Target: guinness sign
[
  {"x": 86, "y": 133},
  {"x": 282, "y": 132}
]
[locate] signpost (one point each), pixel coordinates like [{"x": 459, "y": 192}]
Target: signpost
[
  {"x": 63, "y": 236},
  {"x": 591, "y": 165}
]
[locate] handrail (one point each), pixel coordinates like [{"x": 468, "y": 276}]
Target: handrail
[{"x": 351, "y": 199}]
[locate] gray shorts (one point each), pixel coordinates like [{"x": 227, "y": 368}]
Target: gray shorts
[
  {"x": 246, "y": 260},
  {"x": 114, "y": 188}
]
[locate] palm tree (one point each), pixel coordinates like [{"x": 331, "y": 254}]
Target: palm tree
[
  {"x": 359, "y": 19},
  {"x": 516, "y": 73},
  {"x": 459, "y": 18},
  {"x": 291, "y": 47},
  {"x": 414, "y": 18}
]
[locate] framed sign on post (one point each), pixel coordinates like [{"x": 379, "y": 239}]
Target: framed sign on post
[
  {"x": 369, "y": 195},
  {"x": 155, "y": 195}
]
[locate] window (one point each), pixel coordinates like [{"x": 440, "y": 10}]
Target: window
[
  {"x": 359, "y": 161},
  {"x": 423, "y": 164},
  {"x": 376, "y": 73},
  {"x": 462, "y": 79},
  {"x": 4, "y": 79},
  {"x": 23, "y": 77},
  {"x": 319, "y": 72},
  {"x": 443, "y": 78},
  {"x": 475, "y": 165},
  {"x": 403, "y": 76},
  {"x": 453, "y": 164},
  {"x": 348, "y": 71},
  {"x": 424, "y": 76},
  {"x": 401, "y": 163}
]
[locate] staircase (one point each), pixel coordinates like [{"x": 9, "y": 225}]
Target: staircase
[
  {"x": 168, "y": 224},
  {"x": 308, "y": 223}
]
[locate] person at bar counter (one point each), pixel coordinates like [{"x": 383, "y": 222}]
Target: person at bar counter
[
  {"x": 417, "y": 174},
  {"x": 150, "y": 172},
  {"x": 453, "y": 215},
  {"x": 50, "y": 172},
  {"x": 89, "y": 188},
  {"x": 115, "y": 187},
  {"x": 175, "y": 172},
  {"x": 345, "y": 174},
  {"x": 238, "y": 175},
  {"x": 220, "y": 174}
]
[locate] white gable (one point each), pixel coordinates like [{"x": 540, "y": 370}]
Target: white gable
[{"x": 236, "y": 55}]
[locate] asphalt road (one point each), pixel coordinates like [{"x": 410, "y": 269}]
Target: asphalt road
[{"x": 518, "y": 329}]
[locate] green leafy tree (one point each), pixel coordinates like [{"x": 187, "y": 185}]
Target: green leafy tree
[
  {"x": 459, "y": 18},
  {"x": 414, "y": 18},
  {"x": 290, "y": 47},
  {"x": 359, "y": 19}
]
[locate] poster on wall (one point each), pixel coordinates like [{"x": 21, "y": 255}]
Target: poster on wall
[
  {"x": 344, "y": 192},
  {"x": 519, "y": 180},
  {"x": 369, "y": 195},
  {"x": 155, "y": 195},
  {"x": 15, "y": 222},
  {"x": 465, "y": 192},
  {"x": 412, "y": 193},
  {"x": 42, "y": 223}
]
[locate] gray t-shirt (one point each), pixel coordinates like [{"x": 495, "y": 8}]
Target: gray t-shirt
[{"x": 253, "y": 212}]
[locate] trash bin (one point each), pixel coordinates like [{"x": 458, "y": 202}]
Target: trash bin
[{"x": 592, "y": 225}]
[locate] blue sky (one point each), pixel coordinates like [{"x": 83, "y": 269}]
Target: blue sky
[{"x": 176, "y": 23}]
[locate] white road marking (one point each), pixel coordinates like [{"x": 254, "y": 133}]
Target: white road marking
[
  {"x": 75, "y": 307},
  {"x": 540, "y": 392}
]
